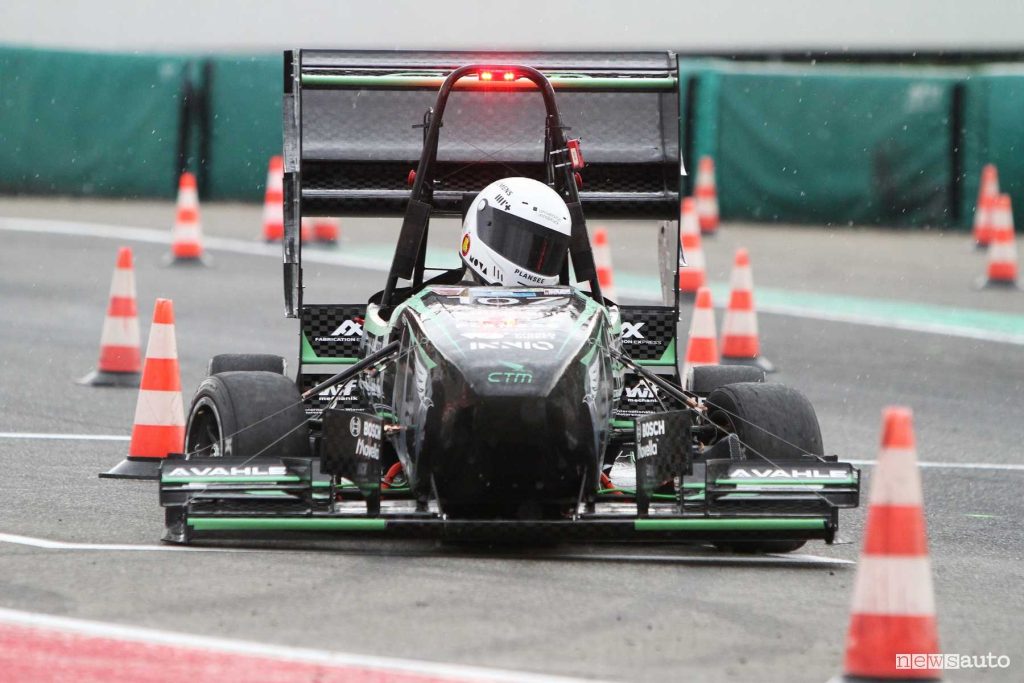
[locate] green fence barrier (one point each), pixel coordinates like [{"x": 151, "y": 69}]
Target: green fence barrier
[
  {"x": 866, "y": 145},
  {"x": 993, "y": 132},
  {"x": 245, "y": 124},
  {"x": 89, "y": 124},
  {"x": 836, "y": 147}
]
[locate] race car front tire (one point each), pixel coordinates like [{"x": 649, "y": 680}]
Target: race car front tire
[
  {"x": 771, "y": 421},
  {"x": 245, "y": 414}
]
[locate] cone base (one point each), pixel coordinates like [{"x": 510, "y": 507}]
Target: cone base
[
  {"x": 102, "y": 378},
  {"x": 759, "y": 362},
  {"x": 985, "y": 283},
  {"x": 134, "y": 468},
  {"x": 202, "y": 260}
]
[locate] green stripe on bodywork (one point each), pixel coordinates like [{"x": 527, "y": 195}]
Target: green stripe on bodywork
[
  {"x": 285, "y": 524},
  {"x": 227, "y": 480},
  {"x": 309, "y": 356},
  {"x": 786, "y": 482},
  {"x": 559, "y": 81},
  {"x": 745, "y": 524}
]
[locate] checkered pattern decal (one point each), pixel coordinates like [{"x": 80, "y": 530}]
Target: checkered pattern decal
[
  {"x": 647, "y": 330},
  {"x": 334, "y": 331}
]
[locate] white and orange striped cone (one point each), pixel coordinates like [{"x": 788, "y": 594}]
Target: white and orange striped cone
[
  {"x": 327, "y": 230},
  {"x": 988, "y": 190},
  {"x": 603, "y": 264},
  {"x": 981, "y": 231},
  {"x": 893, "y": 612},
  {"x": 692, "y": 275},
  {"x": 273, "y": 201},
  {"x": 741, "y": 343},
  {"x": 187, "y": 235},
  {"x": 1002, "y": 250},
  {"x": 159, "y": 426},
  {"x": 706, "y": 192},
  {"x": 120, "y": 356},
  {"x": 701, "y": 347}
]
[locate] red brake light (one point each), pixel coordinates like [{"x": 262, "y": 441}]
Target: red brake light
[
  {"x": 486, "y": 76},
  {"x": 509, "y": 76}
]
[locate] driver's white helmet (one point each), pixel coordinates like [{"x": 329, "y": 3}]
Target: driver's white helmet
[{"x": 516, "y": 233}]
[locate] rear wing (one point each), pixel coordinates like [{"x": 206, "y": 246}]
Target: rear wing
[{"x": 353, "y": 131}]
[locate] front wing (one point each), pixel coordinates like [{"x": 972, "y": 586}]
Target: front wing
[{"x": 733, "y": 502}]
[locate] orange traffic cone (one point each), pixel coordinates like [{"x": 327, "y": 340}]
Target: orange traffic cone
[
  {"x": 988, "y": 190},
  {"x": 326, "y": 230},
  {"x": 740, "y": 341},
  {"x": 983, "y": 215},
  {"x": 187, "y": 235},
  {"x": 159, "y": 426},
  {"x": 120, "y": 357},
  {"x": 691, "y": 276},
  {"x": 706, "y": 192},
  {"x": 1002, "y": 251},
  {"x": 603, "y": 263},
  {"x": 701, "y": 348},
  {"x": 892, "y": 622},
  {"x": 273, "y": 201},
  {"x": 307, "y": 231}
]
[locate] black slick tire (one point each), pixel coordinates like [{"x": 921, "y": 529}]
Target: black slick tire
[
  {"x": 772, "y": 421},
  {"x": 243, "y": 414}
]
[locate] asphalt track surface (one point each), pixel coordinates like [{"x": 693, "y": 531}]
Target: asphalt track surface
[{"x": 611, "y": 612}]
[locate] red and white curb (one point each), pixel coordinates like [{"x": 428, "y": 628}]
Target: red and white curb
[{"x": 38, "y": 647}]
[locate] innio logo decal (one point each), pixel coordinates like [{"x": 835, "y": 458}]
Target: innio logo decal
[
  {"x": 254, "y": 471},
  {"x": 632, "y": 330},
  {"x": 506, "y": 344},
  {"x": 786, "y": 473},
  {"x": 349, "y": 328}
]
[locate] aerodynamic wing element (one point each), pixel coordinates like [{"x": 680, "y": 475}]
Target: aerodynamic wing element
[{"x": 353, "y": 132}]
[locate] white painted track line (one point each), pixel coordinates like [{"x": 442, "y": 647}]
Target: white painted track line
[
  {"x": 116, "y": 547},
  {"x": 1003, "y": 467},
  {"x": 364, "y": 262},
  {"x": 64, "y": 437},
  {"x": 683, "y": 559}
]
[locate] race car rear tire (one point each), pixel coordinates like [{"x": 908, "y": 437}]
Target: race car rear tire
[
  {"x": 245, "y": 414},
  {"x": 703, "y": 379},
  {"x": 237, "y": 362},
  {"x": 773, "y": 421}
]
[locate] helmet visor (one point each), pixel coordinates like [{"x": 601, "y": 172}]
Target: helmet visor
[{"x": 528, "y": 245}]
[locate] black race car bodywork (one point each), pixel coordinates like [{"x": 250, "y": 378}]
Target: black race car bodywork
[{"x": 458, "y": 410}]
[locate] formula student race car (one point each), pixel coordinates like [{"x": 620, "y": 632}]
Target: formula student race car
[{"x": 456, "y": 410}]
